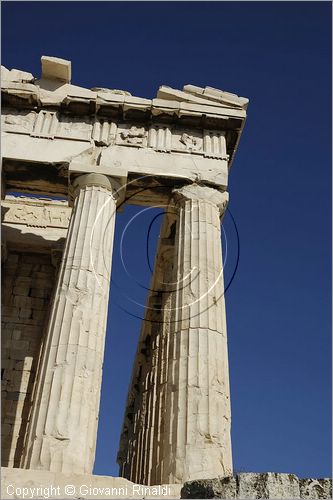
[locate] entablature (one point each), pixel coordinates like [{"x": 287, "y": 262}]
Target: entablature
[{"x": 185, "y": 135}]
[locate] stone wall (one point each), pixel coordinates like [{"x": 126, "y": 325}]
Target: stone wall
[{"x": 28, "y": 280}]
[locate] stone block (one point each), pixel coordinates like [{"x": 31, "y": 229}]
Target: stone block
[
  {"x": 6, "y": 335},
  {"x": 21, "y": 290},
  {"x": 23, "y": 280},
  {"x": 210, "y": 488},
  {"x": 42, "y": 275},
  {"x": 22, "y": 344},
  {"x": 37, "y": 303},
  {"x": 261, "y": 485},
  {"x": 39, "y": 292},
  {"x": 18, "y": 354},
  {"x": 10, "y": 311},
  {"x": 22, "y": 301},
  {"x": 268, "y": 485},
  {"x": 25, "y": 270},
  {"x": 19, "y": 381},
  {"x": 54, "y": 68},
  {"x": 15, "y": 75},
  {"x": 12, "y": 258},
  {"x": 6, "y": 440},
  {"x": 42, "y": 283},
  {"x": 16, "y": 334},
  {"x": 7, "y": 364},
  {"x": 25, "y": 313},
  {"x": 16, "y": 396},
  {"x": 316, "y": 488},
  {"x": 38, "y": 314},
  {"x": 6, "y": 340},
  {"x": 5, "y": 353},
  {"x": 25, "y": 364},
  {"x": 6, "y": 429}
]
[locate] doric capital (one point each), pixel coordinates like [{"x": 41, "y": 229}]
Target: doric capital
[
  {"x": 196, "y": 192},
  {"x": 95, "y": 179}
]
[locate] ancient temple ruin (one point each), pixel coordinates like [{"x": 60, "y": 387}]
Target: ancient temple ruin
[{"x": 71, "y": 157}]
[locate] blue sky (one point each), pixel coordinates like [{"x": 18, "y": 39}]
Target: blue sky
[{"x": 279, "y": 304}]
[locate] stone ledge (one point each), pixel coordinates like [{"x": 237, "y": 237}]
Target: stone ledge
[
  {"x": 84, "y": 487},
  {"x": 261, "y": 485},
  {"x": 89, "y": 487}
]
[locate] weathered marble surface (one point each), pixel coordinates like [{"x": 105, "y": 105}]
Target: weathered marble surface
[
  {"x": 189, "y": 134},
  {"x": 177, "y": 419},
  {"x": 34, "y": 224},
  {"x": 315, "y": 488},
  {"x": 61, "y": 436},
  {"x": 35, "y": 213},
  {"x": 91, "y": 487},
  {"x": 261, "y": 485},
  {"x": 197, "y": 407}
]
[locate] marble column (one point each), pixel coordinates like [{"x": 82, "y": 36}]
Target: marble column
[
  {"x": 177, "y": 421},
  {"x": 141, "y": 443},
  {"x": 197, "y": 417},
  {"x": 63, "y": 424}
]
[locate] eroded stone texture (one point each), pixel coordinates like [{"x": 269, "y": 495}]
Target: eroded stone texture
[
  {"x": 315, "y": 488},
  {"x": 210, "y": 488},
  {"x": 63, "y": 426},
  {"x": 261, "y": 485},
  {"x": 268, "y": 485}
]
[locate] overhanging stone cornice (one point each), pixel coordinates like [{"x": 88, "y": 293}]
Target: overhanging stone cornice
[
  {"x": 38, "y": 96},
  {"x": 193, "y": 107}
]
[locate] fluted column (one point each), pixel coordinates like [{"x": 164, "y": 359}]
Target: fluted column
[
  {"x": 141, "y": 443},
  {"x": 64, "y": 419},
  {"x": 197, "y": 416},
  {"x": 177, "y": 421}
]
